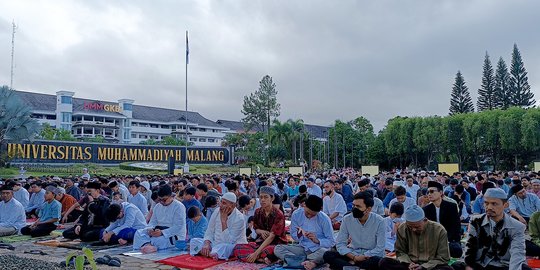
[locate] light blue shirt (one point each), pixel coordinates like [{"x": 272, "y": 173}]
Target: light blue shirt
[
  {"x": 478, "y": 205},
  {"x": 50, "y": 210},
  {"x": 196, "y": 229},
  {"x": 22, "y": 196},
  {"x": 315, "y": 190},
  {"x": 390, "y": 235},
  {"x": 140, "y": 201},
  {"x": 192, "y": 202},
  {"x": 367, "y": 239},
  {"x": 12, "y": 214},
  {"x": 133, "y": 218},
  {"x": 378, "y": 207},
  {"x": 525, "y": 207},
  {"x": 319, "y": 224},
  {"x": 36, "y": 201}
]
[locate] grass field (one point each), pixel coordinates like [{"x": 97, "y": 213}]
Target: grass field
[{"x": 96, "y": 169}]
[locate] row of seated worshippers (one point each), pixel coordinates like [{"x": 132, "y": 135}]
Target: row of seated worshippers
[{"x": 496, "y": 240}]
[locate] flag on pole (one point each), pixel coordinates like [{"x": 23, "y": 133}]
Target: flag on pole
[{"x": 187, "y": 48}]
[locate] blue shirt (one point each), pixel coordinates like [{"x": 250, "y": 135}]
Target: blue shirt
[
  {"x": 346, "y": 192},
  {"x": 36, "y": 201},
  {"x": 366, "y": 239},
  {"x": 390, "y": 235},
  {"x": 525, "y": 207},
  {"x": 320, "y": 225},
  {"x": 192, "y": 202},
  {"x": 133, "y": 218},
  {"x": 12, "y": 214},
  {"x": 196, "y": 229},
  {"x": 22, "y": 196},
  {"x": 50, "y": 210},
  {"x": 478, "y": 205},
  {"x": 140, "y": 201},
  {"x": 391, "y": 196},
  {"x": 292, "y": 192}
]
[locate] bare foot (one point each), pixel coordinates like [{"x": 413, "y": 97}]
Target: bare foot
[
  {"x": 267, "y": 261},
  {"x": 122, "y": 242},
  {"x": 309, "y": 265},
  {"x": 214, "y": 256},
  {"x": 148, "y": 249}
]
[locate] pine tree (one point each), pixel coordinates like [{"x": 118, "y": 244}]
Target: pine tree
[
  {"x": 502, "y": 85},
  {"x": 519, "y": 82},
  {"x": 461, "y": 101},
  {"x": 486, "y": 93}
]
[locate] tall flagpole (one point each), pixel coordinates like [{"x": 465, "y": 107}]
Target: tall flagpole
[{"x": 186, "y": 164}]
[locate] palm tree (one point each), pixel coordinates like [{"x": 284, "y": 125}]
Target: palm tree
[
  {"x": 280, "y": 133},
  {"x": 16, "y": 123},
  {"x": 297, "y": 126}
]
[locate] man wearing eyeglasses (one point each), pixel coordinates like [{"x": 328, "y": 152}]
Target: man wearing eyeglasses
[
  {"x": 167, "y": 224},
  {"x": 446, "y": 213}
]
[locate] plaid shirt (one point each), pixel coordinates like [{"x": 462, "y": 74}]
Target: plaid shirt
[{"x": 275, "y": 223}]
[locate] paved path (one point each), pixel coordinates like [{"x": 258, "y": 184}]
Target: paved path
[{"x": 56, "y": 254}]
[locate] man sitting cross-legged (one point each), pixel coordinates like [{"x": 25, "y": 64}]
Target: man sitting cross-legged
[
  {"x": 366, "y": 233},
  {"x": 312, "y": 228},
  {"x": 12, "y": 215},
  {"x": 421, "y": 244},
  {"x": 167, "y": 225},
  {"x": 126, "y": 219},
  {"x": 226, "y": 229},
  {"x": 269, "y": 230}
]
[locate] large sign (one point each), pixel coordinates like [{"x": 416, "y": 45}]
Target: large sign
[
  {"x": 78, "y": 152},
  {"x": 96, "y": 106}
]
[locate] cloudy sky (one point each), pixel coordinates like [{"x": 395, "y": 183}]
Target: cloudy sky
[{"x": 329, "y": 59}]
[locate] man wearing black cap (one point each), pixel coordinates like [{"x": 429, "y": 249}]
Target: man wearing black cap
[
  {"x": 312, "y": 228},
  {"x": 523, "y": 204},
  {"x": 445, "y": 213},
  {"x": 93, "y": 218}
]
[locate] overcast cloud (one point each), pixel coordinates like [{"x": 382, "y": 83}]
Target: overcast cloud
[{"x": 329, "y": 59}]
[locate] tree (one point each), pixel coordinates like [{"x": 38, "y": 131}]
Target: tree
[
  {"x": 486, "y": 93},
  {"x": 460, "y": 101},
  {"x": 519, "y": 82},
  {"x": 261, "y": 106},
  {"x": 16, "y": 123},
  {"x": 297, "y": 126},
  {"x": 47, "y": 132},
  {"x": 170, "y": 140},
  {"x": 502, "y": 85}
]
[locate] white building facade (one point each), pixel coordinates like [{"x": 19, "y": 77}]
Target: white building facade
[{"x": 121, "y": 122}]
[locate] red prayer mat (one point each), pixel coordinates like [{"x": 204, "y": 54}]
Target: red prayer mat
[
  {"x": 191, "y": 262},
  {"x": 533, "y": 263}
]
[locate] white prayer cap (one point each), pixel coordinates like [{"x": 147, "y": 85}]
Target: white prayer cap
[{"x": 229, "y": 196}]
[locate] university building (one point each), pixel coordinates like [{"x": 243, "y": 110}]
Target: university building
[{"x": 129, "y": 123}]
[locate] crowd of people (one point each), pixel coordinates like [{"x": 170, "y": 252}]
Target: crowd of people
[{"x": 394, "y": 220}]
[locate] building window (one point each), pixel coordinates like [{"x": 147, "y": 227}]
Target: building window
[
  {"x": 192, "y": 139},
  {"x": 211, "y": 140},
  {"x": 133, "y": 135},
  {"x": 202, "y": 129},
  {"x": 66, "y": 99},
  {"x": 66, "y": 117},
  {"x": 65, "y": 126},
  {"x": 202, "y": 140},
  {"x": 128, "y": 107},
  {"x": 50, "y": 117},
  {"x": 154, "y": 126},
  {"x": 126, "y": 135}
]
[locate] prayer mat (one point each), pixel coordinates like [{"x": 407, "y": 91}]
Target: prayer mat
[
  {"x": 74, "y": 244},
  {"x": 533, "y": 263},
  {"x": 19, "y": 238},
  {"x": 117, "y": 250},
  {"x": 156, "y": 256},
  {"x": 191, "y": 262},
  {"x": 238, "y": 265}
]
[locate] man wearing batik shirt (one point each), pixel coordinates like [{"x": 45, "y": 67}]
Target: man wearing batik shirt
[{"x": 269, "y": 224}]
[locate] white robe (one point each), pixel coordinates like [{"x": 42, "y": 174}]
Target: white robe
[{"x": 172, "y": 216}]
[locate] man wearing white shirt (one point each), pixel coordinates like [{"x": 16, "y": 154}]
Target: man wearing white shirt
[
  {"x": 21, "y": 194},
  {"x": 167, "y": 224},
  {"x": 411, "y": 187},
  {"x": 401, "y": 196},
  {"x": 226, "y": 228},
  {"x": 313, "y": 189},
  {"x": 125, "y": 220},
  {"x": 136, "y": 198},
  {"x": 333, "y": 205},
  {"x": 12, "y": 215}
]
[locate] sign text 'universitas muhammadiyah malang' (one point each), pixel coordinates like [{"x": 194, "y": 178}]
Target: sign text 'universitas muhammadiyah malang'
[{"x": 75, "y": 152}]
